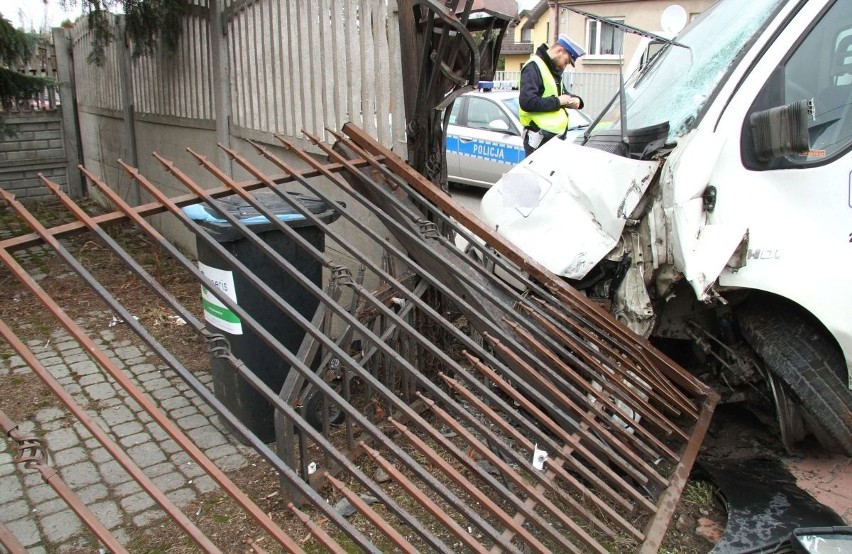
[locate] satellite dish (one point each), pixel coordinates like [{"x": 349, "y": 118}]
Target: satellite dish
[{"x": 673, "y": 19}]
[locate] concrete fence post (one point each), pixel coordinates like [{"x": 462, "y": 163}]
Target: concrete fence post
[
  {"x": 222, "y": 83},
  {"x": 68, "y": 107},
  {"x": 126, "y": 80}
]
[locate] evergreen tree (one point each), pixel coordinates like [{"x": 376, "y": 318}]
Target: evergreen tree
[
  {"x": 147, "y": 24},
  {"x": 16, "y": 49}
]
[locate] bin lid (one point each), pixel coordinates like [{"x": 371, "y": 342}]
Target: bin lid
[{"x": 245, "y": 213}]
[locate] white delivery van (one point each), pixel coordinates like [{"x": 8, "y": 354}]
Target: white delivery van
[{"x": 714, "y": 211}]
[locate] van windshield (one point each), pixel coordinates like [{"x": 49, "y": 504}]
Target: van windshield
[{"x": 679, "y": 82}]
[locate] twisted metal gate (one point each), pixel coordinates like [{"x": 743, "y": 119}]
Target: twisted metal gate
[{"x": 503, "y": 418}]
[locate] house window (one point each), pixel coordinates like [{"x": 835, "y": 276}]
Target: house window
[
  {"x": 526, "y": 35},
  {"x": 604, "y": 39}
]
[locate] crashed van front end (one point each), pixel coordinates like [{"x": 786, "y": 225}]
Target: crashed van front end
[{"x": 702, "y": 208}]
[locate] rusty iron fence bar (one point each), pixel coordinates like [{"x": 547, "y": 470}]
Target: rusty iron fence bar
[
  {"x": 10, "y": 541},
  {"x": 521, "y": 381},
  {"x": 581, "y": 308},
  {"x": 151, "y": 208},
  {"x": 659, "y": 368},
  {"x": 31, "y": 452},
  {"x": 213, "y": 339},
  {"x": 532, "y": 328},
  {"x": 37, "y": 456},
  {"x": 268, "y": 338},
  {"x": 161, "y": 419},
  {"x": 281, "y": 165},
  {"x": 353, "y": 365},
  {"x": 548, "y": 377},
  {"x": 239, "y": 366}
]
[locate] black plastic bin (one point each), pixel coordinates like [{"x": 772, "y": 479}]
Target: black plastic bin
[{"x": 231, "y": 389}]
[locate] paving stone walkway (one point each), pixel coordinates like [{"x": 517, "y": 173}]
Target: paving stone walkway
[{"x": 30, "y": 508}]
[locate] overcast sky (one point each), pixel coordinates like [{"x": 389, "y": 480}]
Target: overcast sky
[{"x": 31, "y": 14}]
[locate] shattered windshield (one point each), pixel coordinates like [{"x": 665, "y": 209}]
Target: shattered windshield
[{"x": 676, "y": 86}]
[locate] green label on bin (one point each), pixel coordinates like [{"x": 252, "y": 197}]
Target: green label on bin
[{"x": 215, "y": 312}]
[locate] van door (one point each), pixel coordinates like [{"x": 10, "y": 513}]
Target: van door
[{"x": 798, "y": 208}]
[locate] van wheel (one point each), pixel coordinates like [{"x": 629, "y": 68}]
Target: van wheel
[{"x": 808, "y": 374}]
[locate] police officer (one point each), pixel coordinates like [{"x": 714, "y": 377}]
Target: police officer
[{"x": 543, "y": 99}]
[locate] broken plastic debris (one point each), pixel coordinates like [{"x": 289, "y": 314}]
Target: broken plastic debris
[
  {"x": 346, "y": 509},
  {"x": 539, "y": 457},
  {"x": 312, "y": 468}
]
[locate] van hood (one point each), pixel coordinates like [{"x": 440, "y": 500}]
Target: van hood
[
  {"x": 566, "y": 206},
  {"x": 567, "y": 216}
]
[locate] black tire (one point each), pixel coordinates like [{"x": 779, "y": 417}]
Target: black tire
[
  {"x": 313, "y": 409},
  {"x": 800, "y": 354}
]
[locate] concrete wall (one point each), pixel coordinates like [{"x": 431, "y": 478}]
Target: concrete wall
[
  {"x": 104, "y": 143},
  {"x": 37, "y": 146}
]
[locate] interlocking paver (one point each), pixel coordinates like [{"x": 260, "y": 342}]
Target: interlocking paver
[
  {"x": 25, "y": 530},
  {"x": 136, "y": 502},
  {"x": 147, "y": 518},
  {"x": 15, "y": 510},
  {"x": 40, "y": 493},
  {"x": 60, "y": 526},
  {"x": 91, "y": 379},
  {"x": 127, "y": 429},
  {"x": 100, "y": 391},
  {"x": 49, "y": 414},
  {"x": 126, "y": 352},
  {"x": 61, "y": 439},
  {"x": 93, "y": 493},
  {"x": 108, "y": 512},
  {"x": 112, "y": 473},
  {"x": 70, "y": 456},
  {"x": 10, "y": 487},
  {"x": 117, "y": 414},
  {"x": 146, "y": 454},
  {"x": 84, "y": 367},
  {"x": 81, "y": 474},
  {"x": 33, "y": 511}
]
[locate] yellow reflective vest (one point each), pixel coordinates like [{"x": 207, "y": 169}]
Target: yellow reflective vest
[{"x": 554, "y": 122}]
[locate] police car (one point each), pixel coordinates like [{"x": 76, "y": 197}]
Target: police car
[{"x": 484, "y": 137}]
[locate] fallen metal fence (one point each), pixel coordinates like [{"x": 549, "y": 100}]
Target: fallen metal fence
[{"x": 502, "y": 418}]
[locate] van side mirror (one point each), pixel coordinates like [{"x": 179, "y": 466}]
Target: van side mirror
[{"x": 782, "y": 130}]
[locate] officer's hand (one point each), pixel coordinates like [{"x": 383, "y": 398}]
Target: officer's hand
[{"x": 567, "y": 101}]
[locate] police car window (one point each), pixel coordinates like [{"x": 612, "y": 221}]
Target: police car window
[
  {"x": 455, "y": 111},
  {"x": 821, "y": 68},
  {"x": 481, "y": 112}
]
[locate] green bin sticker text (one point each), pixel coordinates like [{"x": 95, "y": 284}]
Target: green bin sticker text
[{"x": 215, "y": 312}]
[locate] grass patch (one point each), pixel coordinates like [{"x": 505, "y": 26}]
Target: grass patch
[{"x": 700, "y": 494}]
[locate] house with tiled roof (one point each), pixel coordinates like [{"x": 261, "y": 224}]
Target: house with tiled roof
[
  {"x": 595, "y": 76},
  {"x": 523, "y": 37},
  {"x": 607, "y": 48},
  {"x": 606, "y": 51}
]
